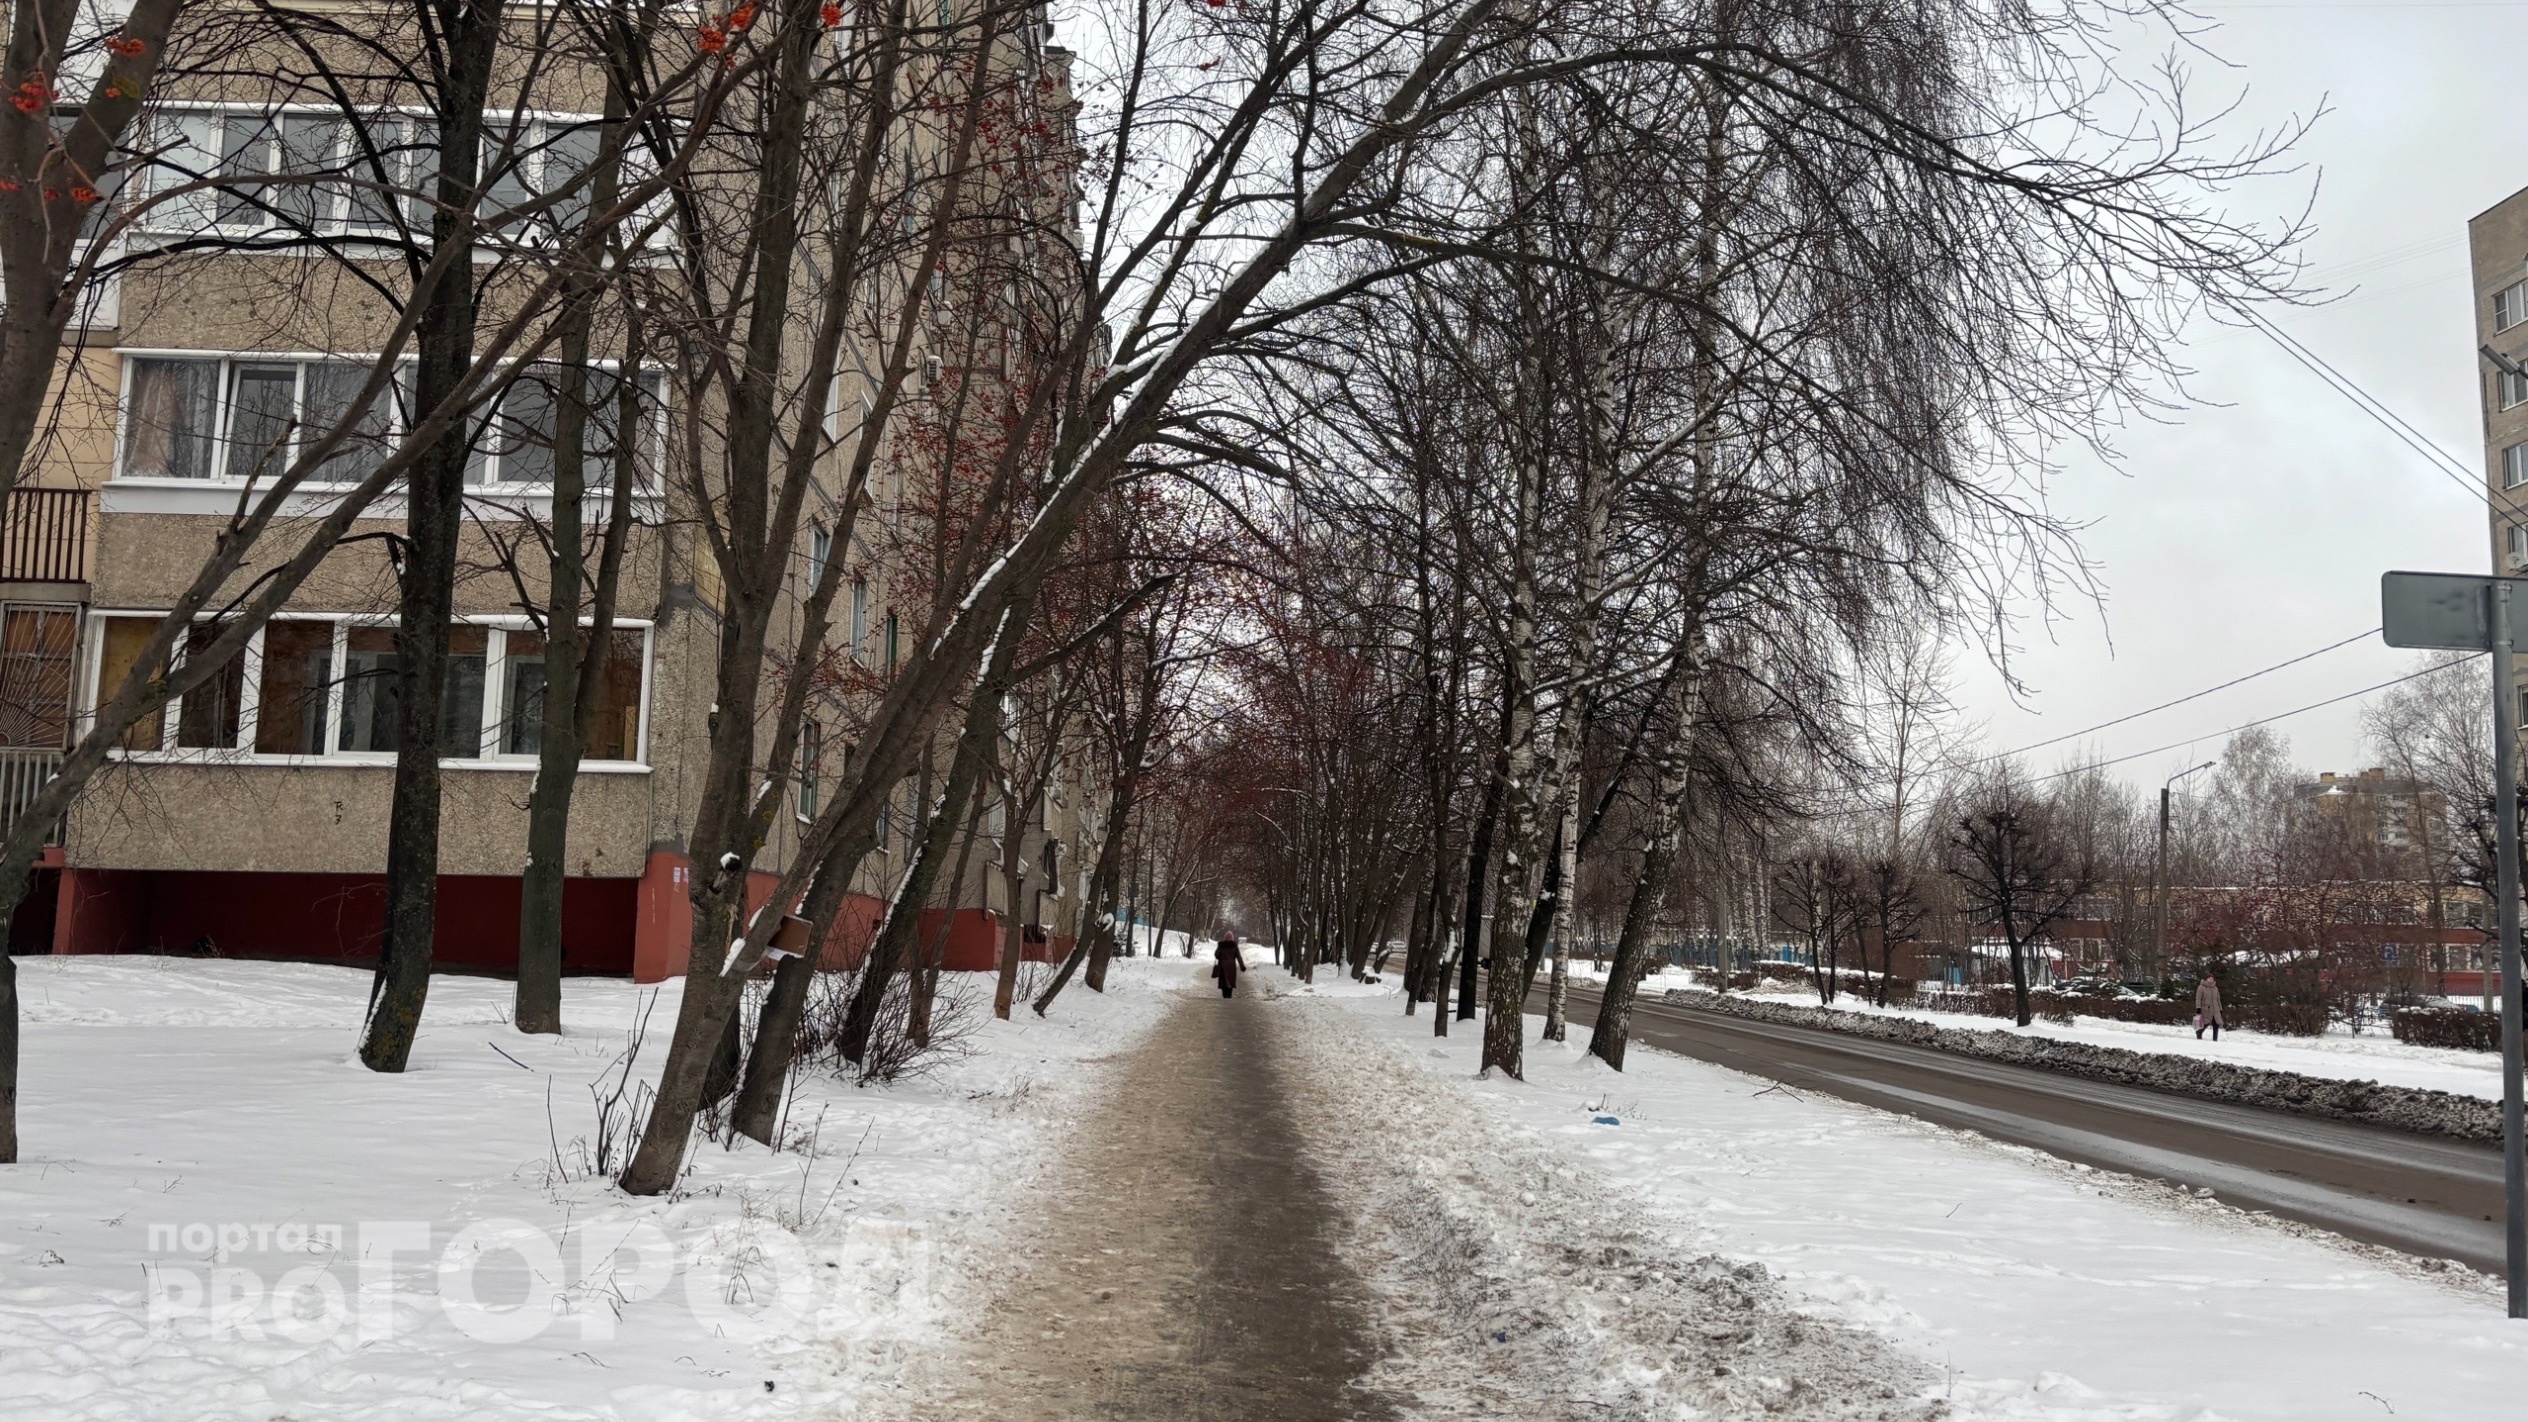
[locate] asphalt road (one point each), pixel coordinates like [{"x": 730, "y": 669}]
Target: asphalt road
[{"x": 2422, "y": 1194}]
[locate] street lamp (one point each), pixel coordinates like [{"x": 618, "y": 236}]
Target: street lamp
[{"x": 2159, "y": 873}]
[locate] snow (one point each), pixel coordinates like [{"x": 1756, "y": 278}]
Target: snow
[
  {"x": 199, "y": 1133},
  {"x": 2034, "y": 1289},
  {"x": 2339, "y": 1055}
]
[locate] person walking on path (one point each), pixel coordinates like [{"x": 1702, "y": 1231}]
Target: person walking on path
[
  {"x": 1225, "y": 962},
  {"x": 2207, "y": 1005}
]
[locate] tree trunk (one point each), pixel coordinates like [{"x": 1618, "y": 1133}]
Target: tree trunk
[
  {"x": 434, "y": 522},
  {"x": 570, "y": 663},
  {"x": 1567, "y": 868},
  {"x": 1105, "y": 883},
  {"x": 1474, "y": 938},
  {"x": 8, "y": 1059},
  {"x": 1521, "y": 873},
  {"x": 1673, "y": 768},
  {"x": 926, "y": 967},
  {"x": 776, "y": 1042},
  {"x": 898, "y": 940}
]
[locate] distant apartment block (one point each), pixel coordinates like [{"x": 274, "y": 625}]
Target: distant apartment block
[{"x": 2497, "y": 242}]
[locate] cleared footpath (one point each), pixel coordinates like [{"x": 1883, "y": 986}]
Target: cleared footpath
[{"x": 1180, "y": 1268}]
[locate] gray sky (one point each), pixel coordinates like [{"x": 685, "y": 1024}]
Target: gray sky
[{"x": 2255, "y": 529}]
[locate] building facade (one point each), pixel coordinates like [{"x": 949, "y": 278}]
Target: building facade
[
  {"x": 2497, "y": 246},
  {"x": 250, "y": 818}
]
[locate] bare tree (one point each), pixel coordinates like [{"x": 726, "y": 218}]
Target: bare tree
[{"x": 2018, "y": 874}]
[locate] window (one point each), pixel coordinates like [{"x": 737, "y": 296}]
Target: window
[
  {"x": 120, "y": 646},
  {"x": 859, "y": 619},
  {"x": 2510, "y": 306},
  {"x": 324, "y": 172},
  {"x": 208, "y": 717},
  {"x": 2515, "y": 466},
  {"x": 327, "y": 686},
  {"x": 893, "y": 642},
  {"x": 381, "y": 170},
  {"x": 248, "y": 417},
  {"x": 2512, "y": 387},
  {"x": 2519, "y": 540},
  {"x": 529, "y": 162},
  {"x": 371, "y": 702},
  {"x": 614, "y": 731},
  {"x": 37, "y": 648},
  {"x": 820, "y": 552},
  {"x": 298, "y": 674},
  {"x": 214, "y": 417},
  {"x": 811, "y": 756},
  {"x": 514, "y": 444}
]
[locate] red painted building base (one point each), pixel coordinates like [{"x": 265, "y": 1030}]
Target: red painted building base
[
  {"x": 332, "y": 918},
  {"x": 640, "y": 927}
]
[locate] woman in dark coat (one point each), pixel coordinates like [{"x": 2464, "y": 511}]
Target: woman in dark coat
[{"x": 1225, "y": 962}]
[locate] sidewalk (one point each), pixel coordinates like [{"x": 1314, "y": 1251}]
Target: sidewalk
[{"x": 1178, "y": 1267}]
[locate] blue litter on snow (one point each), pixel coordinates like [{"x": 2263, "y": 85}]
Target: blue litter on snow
[{"x": 1604, "y": 1121}]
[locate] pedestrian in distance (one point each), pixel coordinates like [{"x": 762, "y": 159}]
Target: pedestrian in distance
[
  {"x": 1225, "y": 962},
  {"x": 2207, "y": 1005}
]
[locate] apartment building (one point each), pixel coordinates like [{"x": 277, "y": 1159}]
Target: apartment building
[
  {"x": 2497, "y": 244},
  {"x": 250, "y": 819}
]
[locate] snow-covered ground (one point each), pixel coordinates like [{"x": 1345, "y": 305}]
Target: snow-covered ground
[
  {"x": 2034, "y": 1289},
  {"x": 2338, "y": 1055},
  {"x": 211, "y": 1186}
]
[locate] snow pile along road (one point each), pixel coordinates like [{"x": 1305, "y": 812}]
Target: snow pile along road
[
  {"x": 2337, "y": 1054},
  {"x": 220, "y": 1214},
  {"x": 2019, "y": 1286},
  {"x": 2347, "y": 1099}
]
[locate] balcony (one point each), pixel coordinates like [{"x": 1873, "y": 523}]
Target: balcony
[{"x": 44, "y": 536}]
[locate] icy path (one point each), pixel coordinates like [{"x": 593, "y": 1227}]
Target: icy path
[
  {"x": 1179, "y": 1266},
  {"x": 2033, "y": 1289}
]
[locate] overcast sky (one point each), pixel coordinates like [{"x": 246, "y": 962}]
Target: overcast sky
[{"x": 2256, "y": 530}]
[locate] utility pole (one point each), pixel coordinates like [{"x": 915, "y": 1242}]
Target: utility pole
[
  {"x": 2159, "y": 875},
  {"x": 2458, "y": 612},
  {"x": 2506, "y": 844}
]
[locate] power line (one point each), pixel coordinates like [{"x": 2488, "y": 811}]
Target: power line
[
  {"x": 2441, "y": 460},
  {"x": 2262, "y": 721},
  {"x": 2180, "y": 701}
]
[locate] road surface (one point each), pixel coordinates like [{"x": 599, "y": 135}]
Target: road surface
[{"x": 2425, "y": 1195}]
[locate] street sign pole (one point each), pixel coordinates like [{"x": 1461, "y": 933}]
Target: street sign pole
[
  {"x": 2463, "y": 612},
  {"x": 2506, "y": 877}
]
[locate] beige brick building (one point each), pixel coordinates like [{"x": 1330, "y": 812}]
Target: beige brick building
[
  {"x": 250, "y": 819},
  {"x": 2497, "y": 242}
]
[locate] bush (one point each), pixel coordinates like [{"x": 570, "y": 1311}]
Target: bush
[
  {"x": 2282, "y": 1019},
  {"x": 2057, "y": 1006},
  {"x": 2135, "y": 1009},
  {"x": 2448, "y": 1027}
]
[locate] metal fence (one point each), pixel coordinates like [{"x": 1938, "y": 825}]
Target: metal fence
[
  {"x": 44, "y": 536},
  {"x": 24, "y": 771}
]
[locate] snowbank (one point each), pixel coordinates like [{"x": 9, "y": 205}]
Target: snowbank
[
  {"x": 2027, "y": 1287},
  {"x": 2342, "y": 1098},
  {"x": 2339, "y": 1054},
  {"x": 211, "y": 1186}
]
